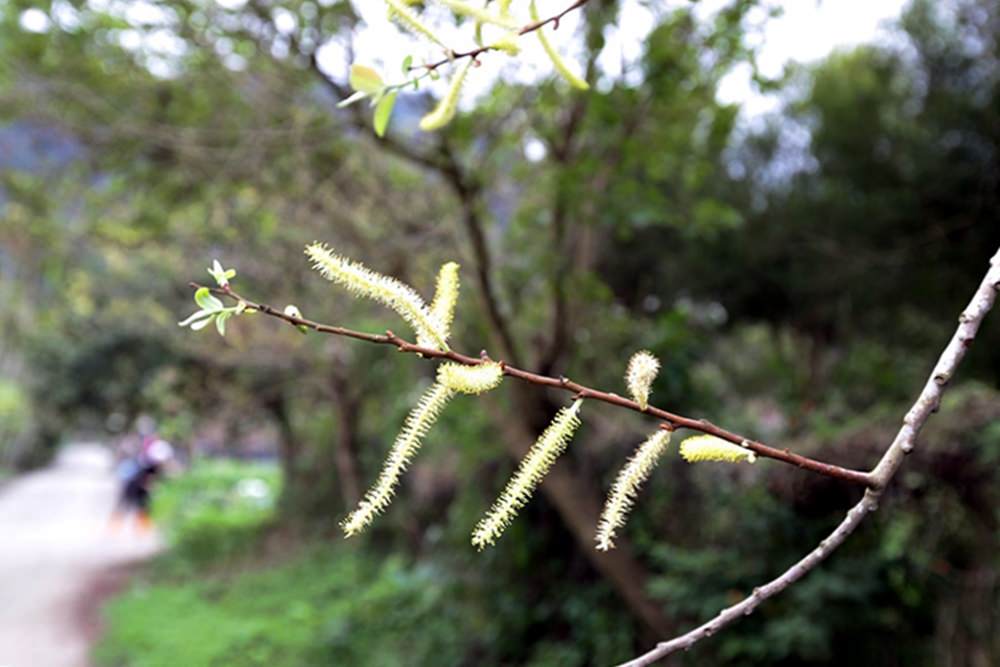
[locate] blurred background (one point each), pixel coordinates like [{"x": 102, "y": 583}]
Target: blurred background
[{"x": 793, "y": 240}]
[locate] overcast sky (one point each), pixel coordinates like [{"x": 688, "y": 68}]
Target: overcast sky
[{"x": 806, "y": 31}]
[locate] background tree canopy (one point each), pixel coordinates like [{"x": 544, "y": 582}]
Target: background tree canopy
[{"x": 796, "y": 271}]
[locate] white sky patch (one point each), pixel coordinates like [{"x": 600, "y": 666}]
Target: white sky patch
[
  {"x": 807, "y": 31},
  {"x": 34, "y": 20}
]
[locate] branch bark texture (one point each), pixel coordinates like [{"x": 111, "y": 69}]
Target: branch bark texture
[
  {"x": 674, "y": 421},
  {"x": 905, "y": 441}
]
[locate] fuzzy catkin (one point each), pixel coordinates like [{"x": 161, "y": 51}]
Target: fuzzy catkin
[
  {"x": 407, "y": 19},
  {"x": 710, "y": 448},
  {"x": 445, "y": 110},
  {"x": 470, "y": 379},
  {"x": 534, "y": 466},
  {"x": 479, "y": 14},
  {"x": 416, "y": 427},
  {"x": 557, "y": 60},
  {"x": 445, "y": 298},
  {"x": 361, "y": 281},
  {"x": 642, "y": 370},
  {"x": 626, "y": 487}
]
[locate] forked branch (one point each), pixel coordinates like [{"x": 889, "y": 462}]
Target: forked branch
[
  {"x": 927, "y": 403},
  {"x": 523, "y": 30}
]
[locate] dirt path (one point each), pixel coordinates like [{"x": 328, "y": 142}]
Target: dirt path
[{"x": 56, "y": 555}]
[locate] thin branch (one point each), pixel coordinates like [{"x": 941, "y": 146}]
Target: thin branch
[
  {"x": 524, "y": 30},
  {"x": 674, "y": 421},
  {"x": 904, "y": 442}
]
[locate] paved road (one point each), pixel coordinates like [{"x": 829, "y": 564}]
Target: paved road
[{"x": 56, "y": 552}]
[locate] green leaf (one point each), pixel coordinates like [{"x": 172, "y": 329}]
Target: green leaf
[
  {"x": 383, "y": 111},
  {"x": 366, "y": 80},
  {"x": 203, "y": 297},
  {"x": 356, "y": 97},
  {"x": 220, "y": 274},
  {"x": 407, "y": 62},
  {"x": 194, "y": 316},
  {"x": 220, "y": 321},
  {"x": 201, "y": 324}
]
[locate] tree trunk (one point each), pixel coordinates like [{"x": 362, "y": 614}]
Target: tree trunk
[{"x": 345, "y": 446}]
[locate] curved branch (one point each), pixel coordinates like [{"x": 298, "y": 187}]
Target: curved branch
[
  {"x": 524, "y": 30},
  {"x": 904, "y": 442},
  {"x": 674, "y": 421}
]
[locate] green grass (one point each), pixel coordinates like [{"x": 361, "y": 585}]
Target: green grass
[
  {"x": 212, "y": 600},
  {"x": 214, "y": 512},
  {"x": 323, "y": 607}
]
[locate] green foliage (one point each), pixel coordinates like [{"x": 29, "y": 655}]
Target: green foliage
[
  {"x": 795, "y": 275},
  {"x": 215, "y": 511},
  {"x": 324, "y": 607},
  {"x": 15, "y": 417}
]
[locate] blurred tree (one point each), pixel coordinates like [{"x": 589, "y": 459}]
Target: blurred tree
[{"x": 646, "y": 216}]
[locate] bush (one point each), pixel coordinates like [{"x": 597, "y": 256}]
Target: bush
[{"x": 214, "y": 511}]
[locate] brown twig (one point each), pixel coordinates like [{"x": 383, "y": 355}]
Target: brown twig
[
  {"x": 565, "y": 384},
  {"x": 926, "y": 404},
  {"x": 523, "y": 30}
]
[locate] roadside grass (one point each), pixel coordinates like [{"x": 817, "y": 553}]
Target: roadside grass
[{"x": 213, "y": 599}]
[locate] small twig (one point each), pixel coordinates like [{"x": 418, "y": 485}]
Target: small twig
[
  {"x": 565, "y": 384},
  {"x": 927, "y": 403},
  {"x": 524, "y": 30}
]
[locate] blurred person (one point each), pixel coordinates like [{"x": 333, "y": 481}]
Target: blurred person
[{"x": 142, "y": 462}]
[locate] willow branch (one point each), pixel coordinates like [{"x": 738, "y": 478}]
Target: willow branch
[
  {"x": 672, "y": 420},
  {"x": 927, "y": 403},
  {"x": 524, "y": 30}
]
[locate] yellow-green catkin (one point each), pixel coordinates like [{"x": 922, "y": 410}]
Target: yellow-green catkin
[
  {"x": 446, "y": 107},
  {"x": 534, "y": 466},
  {"x": 479, "y": 14},
  {"x": 445, "y": 298},
  {"x": 699, "y": 448},
  {"x": 407, "y": 19},
  {"x": 416, "y": 427},
  {"x": 626, "y": 487},
  {"x": 639, "y": 376},
  {"x": 361, "y": 281},
  {"x": 470, "y": 379},
  {"x": 557, "y": 60}
]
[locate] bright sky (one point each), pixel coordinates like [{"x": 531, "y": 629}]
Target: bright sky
[{"x": 806, "y": 31}]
